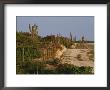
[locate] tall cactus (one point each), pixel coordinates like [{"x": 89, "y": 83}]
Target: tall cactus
[
  {"x": 75, "y": 39},
  {"x": 71, "y": 37},
  {"x": 34, "y": 31},
  {"x": 82, "y": 39},
  {"x": 30, "y": 28}
]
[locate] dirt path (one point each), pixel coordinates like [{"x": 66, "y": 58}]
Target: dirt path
[{"x": 70, "y": 56}]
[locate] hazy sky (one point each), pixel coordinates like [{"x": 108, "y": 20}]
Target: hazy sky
[{"x": 77, "y": 25}]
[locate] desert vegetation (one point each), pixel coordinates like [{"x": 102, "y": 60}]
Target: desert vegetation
[{"x": 53, "y": 54}]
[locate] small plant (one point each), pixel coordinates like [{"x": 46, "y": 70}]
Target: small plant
[
  {"x": 79, "y": 57},
  {"x": 91, "y": 55}
]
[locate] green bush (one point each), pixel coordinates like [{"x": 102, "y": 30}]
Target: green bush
[
  {"x": 68, "y": 69},
  {"x": 30, "y": 67},
  {"x": 71, "y": 69}
]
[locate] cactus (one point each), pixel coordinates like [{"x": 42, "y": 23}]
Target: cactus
[{"x": 71, "y": 37}]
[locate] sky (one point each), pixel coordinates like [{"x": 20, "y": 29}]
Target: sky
[{"x": 78, "y": 25}]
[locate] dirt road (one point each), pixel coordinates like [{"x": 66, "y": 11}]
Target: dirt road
[{"x": 77, "y": 57}]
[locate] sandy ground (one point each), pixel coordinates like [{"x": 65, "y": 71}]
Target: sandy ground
[{"x": 70, "y": 57}]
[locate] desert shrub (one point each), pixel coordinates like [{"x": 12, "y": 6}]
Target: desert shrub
[
  {"x": 64, "y": 69},
  {"x": 39, "y": 67},
  {"x": 36, "y": 53},
  {"x": 30, "y": 67},
  {"x": 91, "y": 54},
  {"x": 19, "y": 70},
  {"x": 71, "y": 69},
  {"x": 29, "y": 54},
  {"x": 91, "y": 57},
  {"x": 91, "y": 51},
  {"x": 79, "y": 57}
]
